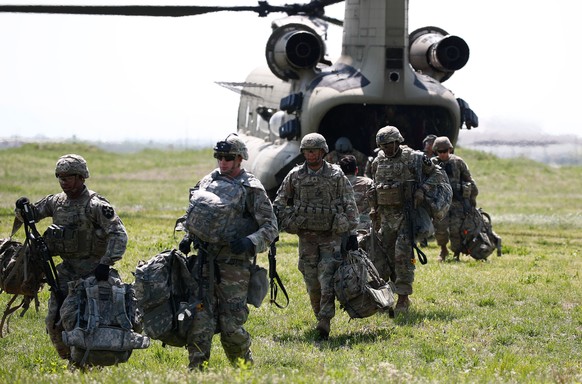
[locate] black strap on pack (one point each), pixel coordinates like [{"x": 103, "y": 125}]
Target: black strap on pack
[{"x": 275, "y": 280}]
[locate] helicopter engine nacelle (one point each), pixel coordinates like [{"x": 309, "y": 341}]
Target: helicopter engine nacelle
[
  {"x": 436, "y": 53},
  {"x": 293, "y": 47}
]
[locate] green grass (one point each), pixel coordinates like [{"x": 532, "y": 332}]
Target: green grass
[{"x": 514, "y": 319}]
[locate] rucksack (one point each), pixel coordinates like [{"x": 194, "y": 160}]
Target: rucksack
[
  {"x": 359, "y": 288},
  {"x": 478, "y": 239},
  {"x": 165, "y": 292},
  {"x": 101, "y": 321},
  {"x": 21, "y": 275}
]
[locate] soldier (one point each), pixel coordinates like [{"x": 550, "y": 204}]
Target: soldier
[
  {"x": 402, "y": 178},
  {"x": 464, "y": 195},
  {"x": 344, "y": 147},
  {"x": 427, "y": 145},
  {"x": 86, "y": 233},
  {"x": 361, "y": 186},
  {"x": 230, "y": 219},
  {"x": 316, "y": 202}
]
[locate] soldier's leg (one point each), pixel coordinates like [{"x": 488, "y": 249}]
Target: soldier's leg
[
  {"x": 405, "y": 266},
  {"x": 54, "y": 328},
  {"x": 455, "y": 223},
  {"x": 441, "y": 234},
  {"x": 330, "y": 261},
  {"x": 233, "y": 312},
  {"x": 200, "y": 336},
  {"x": 308, "y": 262}
]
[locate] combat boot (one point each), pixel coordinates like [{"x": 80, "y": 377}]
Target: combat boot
[
  {"x": 323, "y": 327},
  {"x": 444, "y": 253},
  {"x": 402, "y": 305},
  {"x": 456, "y": 256}
]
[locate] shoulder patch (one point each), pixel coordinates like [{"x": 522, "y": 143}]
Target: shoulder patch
[{"x": 108, "y": 211}]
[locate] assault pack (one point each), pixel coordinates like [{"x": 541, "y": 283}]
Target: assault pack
[
  {"x": 20, "y": 275},
  {"x": 359, "y": 288},
  {"x": 101, "y": 323},
  {"x": 478, "y": 239},
  {"x": 165, "y": 291}
]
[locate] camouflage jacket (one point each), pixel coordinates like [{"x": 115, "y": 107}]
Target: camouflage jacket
[
  {"x": 361, "y": 186},
  {"x": 93, "y": 220},
  {"x": 458, "y": 173},
  {"x": 327, "y": 190}
]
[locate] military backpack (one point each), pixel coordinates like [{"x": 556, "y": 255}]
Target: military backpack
[
  {"x": 478, "y": 239},
  {"x": 101, "y": 323},
  {"x": 165, "y": 291},
  {"x": 359, "y": 288}
]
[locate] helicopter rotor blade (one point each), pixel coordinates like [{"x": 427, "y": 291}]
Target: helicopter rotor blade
[
  {"x": 123, "y": 10},
  {"x": 314, "y": 8}
]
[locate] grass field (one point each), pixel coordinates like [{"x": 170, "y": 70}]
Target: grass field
[{"x": 513, "y": 319}]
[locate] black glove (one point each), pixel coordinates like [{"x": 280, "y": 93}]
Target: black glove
[
  {"x": 102, "y": 272},
  {"x": 20, "y": 203},
  {"x": 241, "y": 245},
  {"x": 184, "y": 246},
  {"x": 352, "y": 244}
]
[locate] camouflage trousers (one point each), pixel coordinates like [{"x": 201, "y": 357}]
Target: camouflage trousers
[
  {"x": 395, "y": 261},
  {"x": 224, "y": 311},
  {"x": 319, "y": 259},
  {"x": 54, "y": 328},
  {"x": 449, "y": 228}
]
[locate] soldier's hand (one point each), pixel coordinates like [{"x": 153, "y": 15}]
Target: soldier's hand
[
  {"x": 102, "y": 272},
  {"x": 418, "y": 197},
  {"x": 352, "y": 244},
  {"x": 241, "y": 245},
  {"x": 184, "y": 246},
  {"x": 21, "y": 202}
]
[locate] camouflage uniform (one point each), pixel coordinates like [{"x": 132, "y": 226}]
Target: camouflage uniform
[
  {"x": 361, "y": 186},
  {"x": 464, "y": 195},
  {"x": 400, "y": 180},
  {"x": 86, "y": 232},
  {"x": 319, "y": 207},
  {"x": 225, "y": 274}
]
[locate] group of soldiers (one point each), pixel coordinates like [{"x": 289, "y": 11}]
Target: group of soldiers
[{"x": 328, "y": 206}]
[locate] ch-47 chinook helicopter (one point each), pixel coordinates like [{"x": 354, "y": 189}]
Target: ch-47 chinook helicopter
[{"x": 384, "y": 75}]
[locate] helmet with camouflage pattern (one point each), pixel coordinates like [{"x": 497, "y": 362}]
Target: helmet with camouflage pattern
[
  {"x": 387, "y": 135},
  {"x": 343, "y": 145},
  {"x": 232, "y": 145},
  {"x": 314, "y": 141},
  {"x": 72, "y": 164},
  {"x": 441, "y": 143}
]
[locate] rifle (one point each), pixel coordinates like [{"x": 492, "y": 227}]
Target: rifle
[
  {"x": 276, "y": 282},
  {"x": 39, "y": 247},
  {"x": 408, "y": 208}
]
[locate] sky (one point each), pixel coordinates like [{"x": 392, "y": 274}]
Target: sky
[{"x": 114, "y": 78}]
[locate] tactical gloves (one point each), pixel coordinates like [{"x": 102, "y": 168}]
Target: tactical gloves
[
  {"x": 184, "y": 246},
  {"x": 21, "y": 202},
  {"x": 102, "y": 272},
  {"x": 241, "y": 245}
]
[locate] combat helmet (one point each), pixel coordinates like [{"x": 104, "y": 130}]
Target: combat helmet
[
  {"x": 343, "y": 145},
  {"x": 387, "y": 135},
  {"x": 232, "y": 145},
  {"x": 314, "y": 141},
  {"x": 72, "y": 164},
  {"x": 441, "y": 143}
]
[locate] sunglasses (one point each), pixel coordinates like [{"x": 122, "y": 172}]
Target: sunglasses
[{"x": 219, "y": 156}]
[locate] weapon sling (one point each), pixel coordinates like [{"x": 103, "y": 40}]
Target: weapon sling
[{"x": 276, "y": 282}]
